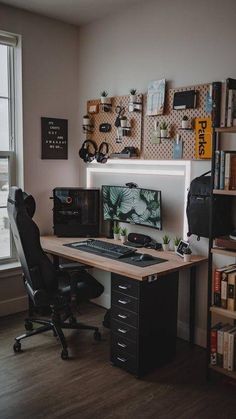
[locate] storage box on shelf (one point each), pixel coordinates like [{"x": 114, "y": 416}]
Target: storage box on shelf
[{"x": 228, "y": 316}]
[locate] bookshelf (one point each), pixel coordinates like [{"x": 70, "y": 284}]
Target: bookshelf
[{"x": 228, "y": 316}]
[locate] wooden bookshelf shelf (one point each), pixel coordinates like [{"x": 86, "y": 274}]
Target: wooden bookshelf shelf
[
  {"x": 231, "y": 130},
  {"x": 223, "y": 312},
  {"x": 231, "y": 374},
  {"x": 223, "y": 192},
  {"x": 219, "y": 251}
]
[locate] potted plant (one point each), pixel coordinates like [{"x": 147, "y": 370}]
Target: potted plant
[
  {"x": 177, "y": 241},
  {"x": 105, "y": 100},
  {"x": 187, "y": 254},
  {"x": 185, "y": 122},
  {"x": 116, "y": 231},
  {"x": 123, "y": 235},
  {"x": 166, "y": 242},
  {"x": 123, "y": 121},
  {"x": 163, "y": 129},
  {"x": 133, "y": 95}
]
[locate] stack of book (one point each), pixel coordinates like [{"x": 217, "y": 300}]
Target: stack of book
[
  {"x": 224, "y": 287},
  {"x": 224, "y": 103},
  {"x": 223, "y": 346},
  {"x": 225, "y": 170}
]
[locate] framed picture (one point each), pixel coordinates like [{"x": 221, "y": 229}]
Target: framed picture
[
  {"x": 182, "y": 245},
  {"x": 54, "y": 133}
]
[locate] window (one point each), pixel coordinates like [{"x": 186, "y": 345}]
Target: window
[{"x": 7, "y": 140}]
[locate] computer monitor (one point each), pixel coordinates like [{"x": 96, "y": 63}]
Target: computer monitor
[{"x": 132, "y": 205}]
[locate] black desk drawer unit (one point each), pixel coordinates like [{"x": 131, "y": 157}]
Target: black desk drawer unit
[{"x": 143, "y": 322}]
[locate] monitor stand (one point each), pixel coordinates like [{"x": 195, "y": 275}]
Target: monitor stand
[{"x": 109, "y": 229}]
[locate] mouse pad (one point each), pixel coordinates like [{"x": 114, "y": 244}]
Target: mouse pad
[{"x": 131, "y": 260}]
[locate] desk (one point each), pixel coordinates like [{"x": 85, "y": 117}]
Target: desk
[{"x": 144, "y": 303}]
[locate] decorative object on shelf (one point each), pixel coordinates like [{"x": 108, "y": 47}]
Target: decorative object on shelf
[
  {"x": 125, "y": 126},
  {"x": 119, "y": 110},
  {"x": 133, "y": 95},
  {"x": 54, "y": 137},
  {"x": 185, "y": 124},
  {"x": 181, "y": 246},
  {"x": 123, "y": 121},
  {"x": 87, "y": 124},
  {"x": 187, "y": 254},
  {"x": 178, "y": 148},
  {"x": 166, "y": 242},
  {"x": 134, "y": 104},
  {"x": 116, "y": 231},
  {"x": 156, "y": 97},
  {"x": 177, "y": 241},
  {"x": 185, "y": 100},
  {"x": 126, "y": 153},
  {"x": 85, "y": 152},
  {"x": 163, "y": 129},
  {"x": 103, "y": 153},
  {"x": 105, "y": 127},
  {"x": 123, "y": 235},
  {"x": 155, "y": 138},
  {"x": 93, "y": 109},
  {"x": 105, "y": 101}
]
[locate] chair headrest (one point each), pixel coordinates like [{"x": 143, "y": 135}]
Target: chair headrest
[{"x": 21, "y": 199}]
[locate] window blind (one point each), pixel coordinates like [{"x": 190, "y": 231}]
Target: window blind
[{"x": 8, "y": 39}]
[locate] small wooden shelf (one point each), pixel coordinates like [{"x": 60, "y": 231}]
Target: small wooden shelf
[
  {"x": 231, "y": 374},
  {"x": 231, "y": 130},
  {"x": 223, "y": 192},
  {"x": 220, "y": 251},
  {"x": 223, "y": 312}
]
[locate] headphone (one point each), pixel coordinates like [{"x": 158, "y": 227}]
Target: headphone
[
  {"x": 84, "y": 152},
  {"x": 102, "y": 155}
]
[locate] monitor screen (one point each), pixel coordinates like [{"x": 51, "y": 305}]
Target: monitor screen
[{"x": 132, "y": 205}]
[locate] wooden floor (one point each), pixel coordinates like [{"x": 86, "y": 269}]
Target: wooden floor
[{"x": 38, "y": 384}]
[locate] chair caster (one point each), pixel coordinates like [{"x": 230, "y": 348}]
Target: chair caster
[
  {"x": 29, "y": 325},
  {"x": 64, "y": 354},
  {"x": 17, "y": 347},
  {"x": 97, "y": 336}
]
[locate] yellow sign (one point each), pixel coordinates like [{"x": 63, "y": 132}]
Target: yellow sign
[{"x": 203, "y": 127}]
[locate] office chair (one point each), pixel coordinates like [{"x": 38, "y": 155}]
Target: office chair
[{"x": 45, "y": 285}]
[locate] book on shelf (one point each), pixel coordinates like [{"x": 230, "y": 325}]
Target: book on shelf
[
  {"x": 217, "y": 286},
  {"x": 217, "y": 170},
  {"x": 216, "y": 103},
  {"x": 220, "y": 343},
  {"x": 214, "y": 330},
  {"x": 226, "y": 86},
  {"x": 224, "y": 286},
  {"x": 232, "y": 350},
  {"x": 225, "y": 170},
  {"x": 231, "y": 111},
  {"x": 222, "y": 170},
  {"x": 231, "y": 300},
  {"x": 226, "y": 346}
]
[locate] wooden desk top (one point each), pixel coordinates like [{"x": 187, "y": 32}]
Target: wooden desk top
[{"x": 54, "y": 245}]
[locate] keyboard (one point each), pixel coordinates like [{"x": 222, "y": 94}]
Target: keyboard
[{"x": 104, "y": 248}]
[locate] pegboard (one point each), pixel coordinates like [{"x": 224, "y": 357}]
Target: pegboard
[
  {"x": 135, "y": 118},
  {"x": 173, "y": 117}
]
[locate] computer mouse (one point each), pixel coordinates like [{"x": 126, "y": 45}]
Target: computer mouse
[{"x": 145, "y": 257}]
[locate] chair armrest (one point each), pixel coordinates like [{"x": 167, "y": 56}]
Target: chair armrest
[
  {"x": 75, "y": 266},
  {"x": 39, "y": 297}
]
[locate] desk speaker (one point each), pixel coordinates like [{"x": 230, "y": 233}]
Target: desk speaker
[{"x": 139, "y": 238}]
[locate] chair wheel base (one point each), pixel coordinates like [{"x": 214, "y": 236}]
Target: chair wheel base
[
  {"x": 29, "y": 326},
  {"x": 17, "y": 347},
  {"x": 97, "y": 336},
  {"x": 64, "y": 354}
]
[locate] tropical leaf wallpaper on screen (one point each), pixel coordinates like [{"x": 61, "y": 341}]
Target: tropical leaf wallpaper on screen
[{"x": 139, "y": 206}]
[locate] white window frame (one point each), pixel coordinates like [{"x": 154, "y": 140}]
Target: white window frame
[{"x": 15, "y": 124}]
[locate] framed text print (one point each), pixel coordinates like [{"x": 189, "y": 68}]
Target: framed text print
[{"x": 54, "y": 133}]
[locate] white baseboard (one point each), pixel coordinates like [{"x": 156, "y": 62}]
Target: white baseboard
[
  {"x": 13, "y": 305},
  {"x": 183, "y": 333}
]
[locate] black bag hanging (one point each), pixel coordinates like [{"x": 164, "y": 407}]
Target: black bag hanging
[{"x": 198, "y": 209}]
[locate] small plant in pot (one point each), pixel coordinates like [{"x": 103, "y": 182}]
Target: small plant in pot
[
  {"x": 116, "y": 231},
  {"x": 133, "y": 95},
  {"x": 123, "y": 235},
  {"x": 187, "y": 254},
  {"x": 105, "y": 100},
  {"x": 166, "y": 242},
  {"x": 163, "y": 129},
  {"x": 185, "y": 122},
  {"x": 177, "y": 241}
]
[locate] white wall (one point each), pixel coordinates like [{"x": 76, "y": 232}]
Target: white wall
[
  {"x": 50, "y": 88},
  {"x": 187, "y": 42}
]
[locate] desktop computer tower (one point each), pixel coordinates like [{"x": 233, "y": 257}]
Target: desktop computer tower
[{"x": 76, "y": 212}]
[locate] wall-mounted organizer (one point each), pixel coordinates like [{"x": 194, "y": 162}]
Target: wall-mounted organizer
[
  {"x": 173, "y": 117},
  {"x": 128, "y": 137}
]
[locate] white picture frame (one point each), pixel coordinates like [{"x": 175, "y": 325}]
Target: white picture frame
[{"x": 181, "y": 246}]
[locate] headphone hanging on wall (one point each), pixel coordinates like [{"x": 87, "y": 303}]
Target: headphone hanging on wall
[
  {"x": 102, "y": 154},
  {"x": 85, "y": 154}
]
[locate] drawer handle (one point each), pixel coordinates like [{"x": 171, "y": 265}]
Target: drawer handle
[
  {"x": 121, "y": 359},
  {"x": 123, "y": 302},
  {"x": 122, "y": 331},
  {"x": 123, "y": 287},
  {"x": 122, "y": 316},
  {"x": 122, "y": 345}
]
